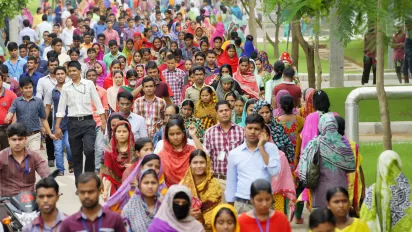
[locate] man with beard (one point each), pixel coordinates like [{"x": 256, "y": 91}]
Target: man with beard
[
  {"x": 92, "y": 216},
  {"x": 47, "y": 195}
]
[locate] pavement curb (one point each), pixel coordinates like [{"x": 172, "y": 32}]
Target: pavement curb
[
  {"x": 373, "y": 128},
  {"x": 349, "y": 77}
]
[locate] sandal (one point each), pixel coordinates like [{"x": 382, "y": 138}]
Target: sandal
[
  {"x": 299, "y": 221},
  {"x": 71, "y": 169}
]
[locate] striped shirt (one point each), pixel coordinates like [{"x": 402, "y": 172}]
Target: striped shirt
[
  {"x": 175, "y": 79},
  {"x": 217, "y": 141},
  {"x": 16, "y": 177},
  {"x": 79, "y": 97},
  {"x": 152, "y": 111},
  {"x": 29, "y": 112}
]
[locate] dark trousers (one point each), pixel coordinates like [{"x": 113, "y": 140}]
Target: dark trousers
[
  {"x": 368, "y": 64},
  {"x": 49, "y": 141},
  {"x": 82, "y": 137},
  {"x": 407, "y": 66},
  {"x": 4, "y": 141},
  {"x": 398, "y": 69}
]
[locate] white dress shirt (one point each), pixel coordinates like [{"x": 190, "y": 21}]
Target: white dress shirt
[
  {"x": 41, "y": 28},
  {"x": 67, "y": 37},
  {"x": 44, "y": 85},
  {"x": 49, "y": 48},
  {"x": 138, "y": 125},
  {"x": 78, "y": 98}
]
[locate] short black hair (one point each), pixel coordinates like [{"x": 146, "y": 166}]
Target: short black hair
[
  {"x": 48, "y": 182},
  {"x": 60, "y": 68},
  {"x": 12, "y": 46},
  {"x": 77, "y": 37},
  {"x": 26, "y": 23},
  {"x": 140, "y": 142},
  {"x": 75, "y": 64},
  {"x": 174, "y": 106},
  {"x": 52, "y": 54},
  {"x": 23, "y": 81},
  {"x": 44, "y": 17},
  {"x": 91, "y": 70},
  {"x": 126, "y": 95},
  {"x": 16, "y": 129},
  {"x": 255, "y": 119},
  {"x": 73, "y": 50},
  {"x": 112, "y": 43},
  {"x": 289, "y": 72},
  {"x": 88, "y": 176},
  {"x": 151, "y": 65},
  {"x": 34, "y": 46},
  {"x": 217, "y": 38},
  {"x": 320, "y": 216},
  {"x": 101, "y": 35},
  {"x": 171, "y": 57},
  {"x": 201, "y": 54},
  {"x": 25, "y": 37},
  {"x": 221, "y": 102},
  {"x": 188, "y": 36},
  {"x": 91, "y": 50},
  {"x": 32, "y": 58},
  {"x": 56, "y": 40},
  {"x": 147, "y": 79},
  {"x": 199, "y": 68},
  {"x": 21, "y": 46}
]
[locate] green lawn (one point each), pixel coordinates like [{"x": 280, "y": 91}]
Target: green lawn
[
  {"x": 370, "y": 153},
  {"x": 354, "y": 52},
  {"x": 369, "y": 109}
]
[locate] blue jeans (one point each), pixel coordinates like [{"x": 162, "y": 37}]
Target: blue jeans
[{"x": 59, "y": 146}]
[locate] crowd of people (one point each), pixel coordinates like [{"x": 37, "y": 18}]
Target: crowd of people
[{"x": 183, "y": 124}]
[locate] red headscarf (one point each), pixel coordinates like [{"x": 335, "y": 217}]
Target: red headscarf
[
  {"x": 225, "y": 59},
  {"x": 247, "y": 82},
  {"x": 114, "y": 163},
  {"x": 286, "y": 57},
  {"x": 174, "y": 163}
]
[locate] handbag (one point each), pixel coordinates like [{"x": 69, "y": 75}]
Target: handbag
[{"x": 313, "y": 172}]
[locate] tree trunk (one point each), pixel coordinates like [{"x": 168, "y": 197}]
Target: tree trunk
[
  {"x": 317, "y": 56},
  {"x": 380, "y": 90},
  {"x": 252, "y": 21},
  {"x": 336, "y": 54},
  {"x": 276, "y": 46},
  {"x": 295, "y": 47},
  {"x": 309, "y": 52}
]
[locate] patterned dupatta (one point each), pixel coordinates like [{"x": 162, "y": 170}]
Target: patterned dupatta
[
  {"x": 387, "y": 205},
  {"x": 208, "y": 192}
]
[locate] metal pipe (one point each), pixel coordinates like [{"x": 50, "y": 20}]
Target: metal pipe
[{"x": 368, "y": 93}]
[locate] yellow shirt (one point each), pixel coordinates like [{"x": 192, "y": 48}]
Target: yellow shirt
[
  {"x": 356, "y": 226},
  {"x": 37, "y": 20}
]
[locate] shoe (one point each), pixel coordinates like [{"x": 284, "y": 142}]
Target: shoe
[
  {"x": 51, "y": 163},
  {"x": 61, "y": 173},
  {"x": 299, "y": 221}
]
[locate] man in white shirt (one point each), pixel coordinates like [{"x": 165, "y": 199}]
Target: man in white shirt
[
  {"x": 66, "y": 13},
  {"x": 29, "y": 32},
  {"x": 42, "y": 27},
  {"x": 57, "y": 46},
  {"x": 124, "y": 104},
  {"x": 77, "y": 96},
  {"x": 67, "y": 34}
]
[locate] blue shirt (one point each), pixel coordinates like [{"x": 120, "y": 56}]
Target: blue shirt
[
  {"x": 29, "y": 112},
  {"x": 99, "y": 29},
  {"x": 56, "y": 98},
  {"x": 35, "y": 78},
  {"x": 245, "y": 166},
  {"x": 16, "y": 70},
  {"x": 41, "y": 66},
  {"x": 41, "y": 48}
]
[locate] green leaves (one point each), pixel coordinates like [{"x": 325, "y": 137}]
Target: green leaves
[{"x": 10, "y": 9}]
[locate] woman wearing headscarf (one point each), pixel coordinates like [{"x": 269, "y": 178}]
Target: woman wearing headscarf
[
  {"x": 208, "y": 28},
  {"x": 197, "y": 37},
  {"x": 387, "y": 204},
  {"x": 205, "y": 188},
  {"x": 229, "y": 57},
  {"x": 307, "y": 107},
  {"x": 174, "y": 32},
  {"x": 173, "y": 215},
  {"x": 279, "y": 111},
  {"x": 219, "y": 31},
  {"x": 187, "y": 110},
  {"x": 248, "y": 46},
  {"x": 221, "y": 213},
  {"x": 246, "y": 79},
  {"x": 335, "y": 160},
  {"x": 225, "y": 85},
  {"x": 287, "y": 60},
  {"x": 156, "y": 32},
  {"x": 263, "y": 56},
  {"x": 101, "y": 72},
  {"x": 279, "y": 136},
  {"x": 277, "y": 78},
  {"x": 139, "y": 212},
  {"x": 205, "y": 107},
  {"x": 116, "y": 157}
]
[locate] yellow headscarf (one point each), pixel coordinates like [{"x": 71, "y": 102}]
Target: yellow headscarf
[{"x": 229, "y": 207}]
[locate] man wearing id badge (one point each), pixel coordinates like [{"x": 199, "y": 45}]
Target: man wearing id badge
[
  {"x": 398, "y": 45},
  {"x": 221, "y": 139}
]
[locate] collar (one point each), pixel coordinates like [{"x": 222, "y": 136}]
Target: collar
[
  {"x": 288, "y": 83},
  {"x": 231, "y": 126},
  {"x": 39, "y": 220},
  {"x": 144, "y": 99},
  {"x": 81, "y": 215},
  {"x": 243, "y": 147},
  {"x": 175, "y": 70},
  {"x": 23, "y": 99},
  {"x": 26, "y": 152},
  {"x": 4, "y": 92},
  {"x": 194, "y": 86},
  {"x": 82, "y": 82}
]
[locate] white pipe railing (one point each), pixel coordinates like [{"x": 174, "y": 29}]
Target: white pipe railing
[{"x": 368, "y": 93}]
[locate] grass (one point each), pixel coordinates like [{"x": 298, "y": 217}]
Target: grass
[
  {"x": 369, "y": 109},
  {"x": 370, "y": 153},
  {"x": 353, "y": 52}
]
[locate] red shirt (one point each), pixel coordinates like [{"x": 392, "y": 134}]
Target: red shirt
[
  {"x": 293, "y": 90},
  {"x": 6, "y": 98},
  {"x": 278, "y": 223}
]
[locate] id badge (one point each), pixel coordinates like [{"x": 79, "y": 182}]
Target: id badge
[{"x": 221, "y": 156}]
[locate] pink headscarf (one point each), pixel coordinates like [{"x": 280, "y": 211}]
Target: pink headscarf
[
  {"x": 283, "y": 183},
  {"x": 99, "y": 56},
  {"x": 279, "y": 111},
  {"x": 219, "y": 31},
  {"x": 100, "y": 79}
]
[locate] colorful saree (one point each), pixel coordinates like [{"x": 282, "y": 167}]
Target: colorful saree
[
  {"x": 225, "y": 206},
  {"x": 206, "y": 112},
  {"x": 307, "y": 109},
  {"x": 248, "y": 83},
  {"x": 208, "y": 192},
  {"x": 387, "y": 205}
]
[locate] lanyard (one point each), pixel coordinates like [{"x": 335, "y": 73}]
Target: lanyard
[
  {"x": 259, "y": 225},
  {"x": 26, "y": 165},
  {"x": 55, "y": 229},
  {"x": 98, "y": 227}
]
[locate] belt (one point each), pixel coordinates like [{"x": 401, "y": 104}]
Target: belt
[
  {"x": 244, "y": 201},
  {"x": 33, "y": 133},
  {"x": 219, "y": 176},
  {"x": 82, "y": 118}
]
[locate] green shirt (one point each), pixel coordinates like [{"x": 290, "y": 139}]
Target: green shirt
[{"x": 108, "y": 58}]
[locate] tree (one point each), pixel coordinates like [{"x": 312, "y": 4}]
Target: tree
[{"x": 10, "y": 9}]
